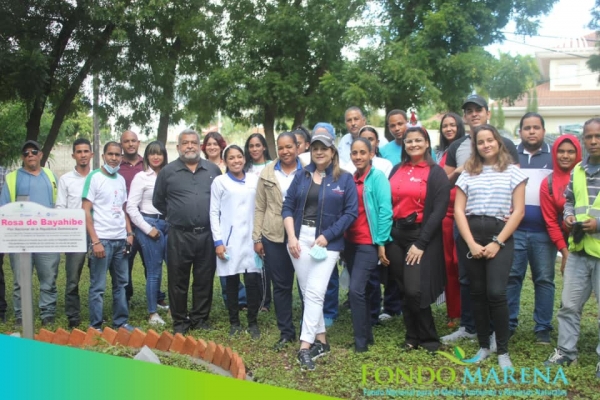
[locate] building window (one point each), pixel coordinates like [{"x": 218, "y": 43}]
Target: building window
[{"x": 567, "y": 74}]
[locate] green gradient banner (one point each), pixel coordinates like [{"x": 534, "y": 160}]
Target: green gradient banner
[{"x": 36, "y": 370}]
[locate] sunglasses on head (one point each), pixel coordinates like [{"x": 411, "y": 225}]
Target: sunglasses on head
[{"x": 32, "y": 151}]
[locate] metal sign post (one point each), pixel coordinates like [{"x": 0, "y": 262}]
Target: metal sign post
[{"x": 27, "y": 228}]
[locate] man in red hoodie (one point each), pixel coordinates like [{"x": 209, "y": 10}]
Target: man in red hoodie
[{"x": 566, "y": 153}]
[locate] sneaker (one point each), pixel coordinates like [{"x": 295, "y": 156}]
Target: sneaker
[
  {"x": 162, "y": 305},
  {"x": 305, "y": 360},
  {"x": 384, "y": 317},
  {"x": 493, "y": 344},
  {"x": 557, "y": 358},
  {"x": 47, "y": 321},
  {"x": 543, "y": 337},
  {"x": 461, "y": 333},
  {"x": 155, "y": 319},
  {"x": 328, "y": 322},
  {"x": 598, "y": 370},
  {"x": 504, "y": 361},
  {"x": 128, "y": 327},
  {"x": 254, "y": 331},
  {"x": 235, "y": 329},
  {"x": 319, "y": 349},
  {"x": 481, "y": 355}
]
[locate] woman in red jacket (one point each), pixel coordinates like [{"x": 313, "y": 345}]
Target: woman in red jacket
[{"x": 566, "y": 153}]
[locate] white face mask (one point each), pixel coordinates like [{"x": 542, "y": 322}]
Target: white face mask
[{"x": 111, "y": 170}]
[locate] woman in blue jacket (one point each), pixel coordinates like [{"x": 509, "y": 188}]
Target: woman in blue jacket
[
  {"x": 366, "y": 238},
  {"x": 319, "y": 206}
]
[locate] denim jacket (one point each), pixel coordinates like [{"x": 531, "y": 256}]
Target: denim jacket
[{"x": 337, "y": 206}]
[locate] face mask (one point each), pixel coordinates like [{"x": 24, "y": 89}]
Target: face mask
[{"x": 110, "y": 169}]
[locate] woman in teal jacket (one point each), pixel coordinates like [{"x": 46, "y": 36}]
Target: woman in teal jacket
[{"x": 366, "y": 238}]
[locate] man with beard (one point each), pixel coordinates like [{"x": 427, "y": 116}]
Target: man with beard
[{"x": 182, "y": 195}]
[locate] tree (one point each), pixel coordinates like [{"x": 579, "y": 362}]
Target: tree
[
  {"x": 594, "y": 61},
  {"x": 275, "y": 55},
  {"x": 433, "y": 52},
  {"x": 48, "y": 49},
  {"x": 161, "y": 55}
]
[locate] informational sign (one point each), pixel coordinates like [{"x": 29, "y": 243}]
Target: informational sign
[{"x": 27, "y": 227}]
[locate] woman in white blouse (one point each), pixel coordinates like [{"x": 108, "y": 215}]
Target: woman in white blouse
[{"x": 151, "y": 229}]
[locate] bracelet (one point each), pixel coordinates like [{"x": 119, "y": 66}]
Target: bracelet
[
  {"x": 98, "y": 242},
  {"x": 258, "y": 241},
  {"x": 130, "y": 234}
]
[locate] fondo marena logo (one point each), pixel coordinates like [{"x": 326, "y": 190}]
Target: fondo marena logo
[{"x": 471, "y": 374}]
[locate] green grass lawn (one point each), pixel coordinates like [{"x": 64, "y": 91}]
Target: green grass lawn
[{"x": 340, "y": 374}]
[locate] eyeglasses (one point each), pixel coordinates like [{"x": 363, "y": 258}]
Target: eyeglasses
[
  {"x": 415, "y": 141},
  {"x": 33, "y": 151}
]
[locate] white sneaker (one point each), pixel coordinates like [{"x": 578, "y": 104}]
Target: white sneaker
[
  {"x": 481, "y": 355},
  {"x": 384, "y": 317},
  {"x": 504, "y": 361},
  {"x": 493, "y": 345},
  {"x": 461, "y": 333},
  {"x": 155, "y": 319}
]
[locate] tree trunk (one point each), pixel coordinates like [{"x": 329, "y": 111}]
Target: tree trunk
[
  {"x": 69, "y": 96},
  {"x": 299, "y": 117},
  {"x": 169, "y": 93},
  {"x": 269, "y": 127}
]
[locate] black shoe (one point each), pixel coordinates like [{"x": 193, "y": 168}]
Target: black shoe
[
  {"x": 543, "y": 337},
  {"x": 557, "y": 358},
  {"x": 19, "y": 322},
  {"x": 361, "y": 349},
  {"x": 3, "y": 318},
  {"x": 74, "y": 323},
  {"x": 202, "y": 324},
  {"x": 254, "y": 331},
  {"x": 319, "y": 349},
  {"x": 47, "y": 321},
  {"x": 305, "y": 360},
  {"x": 234, "y": 330},
  {"x": 282, "y": 343}
]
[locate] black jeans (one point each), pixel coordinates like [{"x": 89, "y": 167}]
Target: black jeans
[
  {"x": 489, "y": 278},
  {"x": 362, "y": 261},
  {"x": 420, "y": 326},
  {"x": 193, "y": 251},
  {"x": 3, "y": 304},
  {"x": 252, "y": 283},
  {"x": 280, "y": 271}
]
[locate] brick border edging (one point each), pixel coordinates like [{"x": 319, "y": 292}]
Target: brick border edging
[{"x": 210, "y": 352}]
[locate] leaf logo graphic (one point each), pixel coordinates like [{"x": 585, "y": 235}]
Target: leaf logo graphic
[{"x": 458, "y": 357}]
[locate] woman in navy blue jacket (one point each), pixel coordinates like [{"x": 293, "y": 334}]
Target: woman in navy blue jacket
[{"x": 319, "y": 206}]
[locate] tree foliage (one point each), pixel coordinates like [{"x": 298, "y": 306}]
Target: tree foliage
[{"x": 594, "y": 61}]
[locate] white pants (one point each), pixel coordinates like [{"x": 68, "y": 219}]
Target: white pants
[{"x": 313, "y": 278}]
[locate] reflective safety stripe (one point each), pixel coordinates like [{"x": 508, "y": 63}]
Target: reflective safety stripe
[
  {"x": 590, "y": 243},
  {"x": 592, "y": 212}
]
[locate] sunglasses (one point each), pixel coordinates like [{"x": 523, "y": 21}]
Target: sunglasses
[{"x": 33, "y": 151}]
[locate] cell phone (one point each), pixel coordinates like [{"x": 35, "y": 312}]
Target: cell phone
[{"x": 127, "y": 248}]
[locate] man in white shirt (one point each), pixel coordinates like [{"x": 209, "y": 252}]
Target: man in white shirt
[
  {"x": 354, "y": 120},
  {"x": 70, "y": 189}
]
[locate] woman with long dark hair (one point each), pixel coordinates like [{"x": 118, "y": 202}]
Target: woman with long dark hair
[
  {"x": 257, "y": 154},
  {"x": 151, "y": 228},
  {"x": 319, "y": 206},
  {"x": 487, "y": 215},
  {"x": 420, "y": 192},
  {"x": 452, "y": 128}
]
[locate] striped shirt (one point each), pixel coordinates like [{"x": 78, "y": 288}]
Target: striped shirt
[
  {"x": 490, "y": 192},
  {"x": 592, "y": 177}
]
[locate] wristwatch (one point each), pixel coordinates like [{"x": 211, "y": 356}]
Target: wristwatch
[{"x": 495, "y": 240}]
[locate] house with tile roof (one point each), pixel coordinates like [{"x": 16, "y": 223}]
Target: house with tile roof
[{"x": 570, "y": 92}]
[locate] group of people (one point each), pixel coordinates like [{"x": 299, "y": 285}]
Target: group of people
[{"x": 464, "y": 218}]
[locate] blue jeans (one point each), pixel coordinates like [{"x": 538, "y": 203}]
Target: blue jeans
[
  {"x": 73, "y": 267},
  {"x": 582, "y": 274},
  {"x": 46, "y": 265},
  {"x": 115, "y": 261},
  {"x": 537, "y": 249},
  {"x": 331, "y": 303},
  {"x": 154, "y": 253}
]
